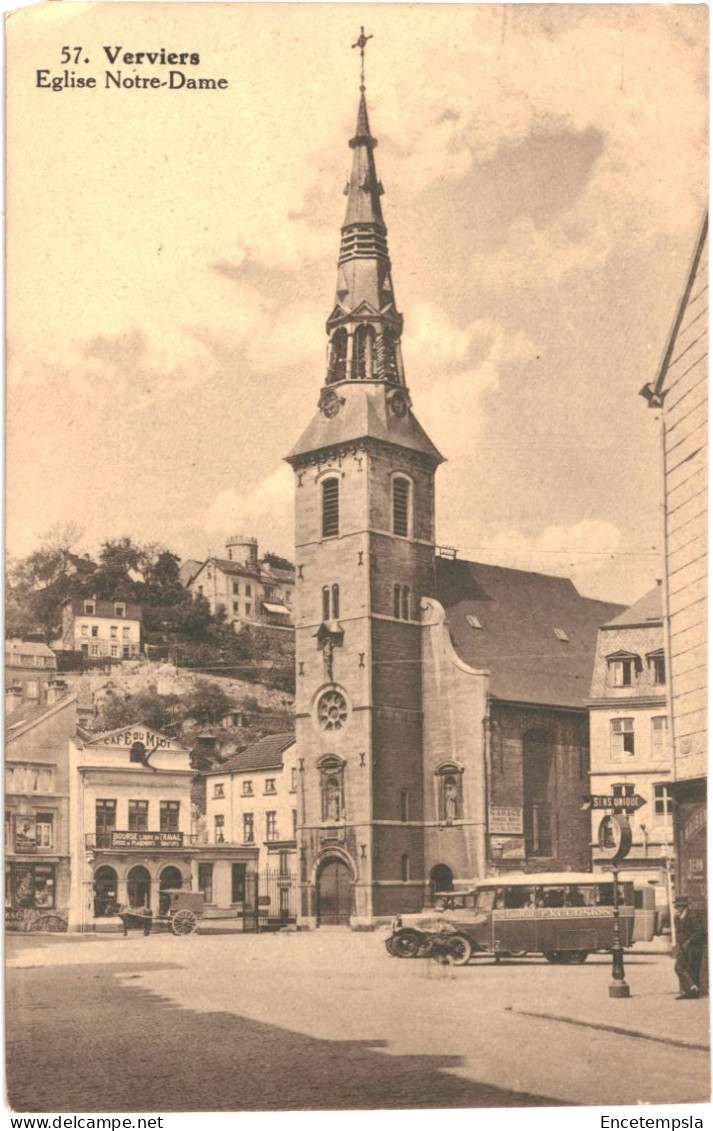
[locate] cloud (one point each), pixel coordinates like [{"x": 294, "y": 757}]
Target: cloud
[{"x": 264, "y": 511}]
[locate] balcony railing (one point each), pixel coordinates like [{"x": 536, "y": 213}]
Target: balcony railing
[{"x": 130, "y": 838}]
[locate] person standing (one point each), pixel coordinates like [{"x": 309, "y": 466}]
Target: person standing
[{"x": 690, "y": 941}]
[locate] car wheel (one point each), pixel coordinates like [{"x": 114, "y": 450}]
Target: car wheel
[
  {"x": 389, "y": 946},
  {"x": 405, "y": 944},
  {"x": 553, "y": 956},
  {"x": 513, "y": 953},
  {"x": 574, "y": 957},
  {"x": 461, "y": 949}
]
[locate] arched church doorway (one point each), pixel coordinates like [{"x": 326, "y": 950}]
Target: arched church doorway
[
  {"x": 440, "y": 879},
  {"x": 138, "y": 886},
  {"x": 334, "y": 894}
]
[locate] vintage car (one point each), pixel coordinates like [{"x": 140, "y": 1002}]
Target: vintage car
[{"x": 564, "y": 916}]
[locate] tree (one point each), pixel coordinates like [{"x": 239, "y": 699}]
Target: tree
[
  {"x": 277, "y": 561},
  {"x": 207, "y": 702},
  {"x": 38, "y": 584},
  {"x": 153, "y": 710}
]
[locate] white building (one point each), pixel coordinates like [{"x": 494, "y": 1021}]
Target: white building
[
  {"x": 130, "y": 821},
  {"x": 629, "y": 748},
  {"x": 101, "y": 629},
  {"x": 248, "y": 590},
  {"x": 252, "y": 802}
]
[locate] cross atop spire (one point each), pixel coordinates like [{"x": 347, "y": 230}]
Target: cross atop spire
[{"x": 361, "y": 44}]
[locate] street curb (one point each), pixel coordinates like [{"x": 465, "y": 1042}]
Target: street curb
[{"x": 622, "y": 1030}]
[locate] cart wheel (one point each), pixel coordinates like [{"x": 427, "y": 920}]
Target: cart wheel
[
  {"x": 461, "y": 949},
  {"x": 184, "y": 922}
]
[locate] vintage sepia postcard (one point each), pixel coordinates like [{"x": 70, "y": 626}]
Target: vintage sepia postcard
[{"x": 355, "y": 657}]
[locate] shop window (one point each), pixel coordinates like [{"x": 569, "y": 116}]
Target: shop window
[
  {"x": 138, "y": 816},
  {"x": 330, "y": 508},
  {"x": 622, "y": 739},
  {"x": 248, "y": 828},
  {"x": 271, "y": 826},
  {"x": 44, "y": 830},
  {"x": 400, "y": 506},
  {"x": 219, "y": 828},
  {"x": 105, "y": 892},
  {"x": 169, "y": 811},
  {"x": 205, "y": 881},
  {"x": 238, "y": 883},
  {"x": 33, "y": 886}
]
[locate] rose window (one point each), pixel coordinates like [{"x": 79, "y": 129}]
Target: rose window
[{"x": 332, "y": 710}]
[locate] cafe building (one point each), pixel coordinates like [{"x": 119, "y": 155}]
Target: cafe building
[{"x": 130, "y": 821}]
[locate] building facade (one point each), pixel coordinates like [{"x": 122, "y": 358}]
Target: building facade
[
  {"x": 680, "y": 395},
  {"x": 30, "y": 668},
  {"x": 252, "y": 805},
  {"x": 101, "y": 629},
  {"x": 37, "y": 840},
  {"x": 630, "y": 749},
  {"x": 130, "y": 819},
  {"x": 249, "y": 591}
]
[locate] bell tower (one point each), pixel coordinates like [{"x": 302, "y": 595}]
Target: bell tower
[{"x": 365, "y": 556}]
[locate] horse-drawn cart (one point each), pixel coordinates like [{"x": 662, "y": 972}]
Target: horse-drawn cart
[{"x": 178, "y": 911}]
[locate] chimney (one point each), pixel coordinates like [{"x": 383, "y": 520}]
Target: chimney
[
  {"x": 13, "y": 698},
  {"x": 56, "y": 689}
]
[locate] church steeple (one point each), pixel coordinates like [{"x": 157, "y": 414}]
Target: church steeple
[
  {"x": 364, "y": 392},
  {"x": 364, "y": 328}
]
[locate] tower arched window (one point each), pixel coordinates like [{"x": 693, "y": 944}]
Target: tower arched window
[
  {"x": 363, "y": 355},
  {"x": 400, "y": 505},
  {"x": 330, "y": 602},
  {"x": 337, "y": 368},
  {"x": 405, "y": 868},
  {"x": 404, "y": 807},
  {"x": 405, "y": 603},
  {"x": 390, "y": 367},
  {"x": 397, "y": 601},
  {"x": 330, "y": 508}
]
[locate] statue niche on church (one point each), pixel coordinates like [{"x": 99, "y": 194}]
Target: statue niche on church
[
  {"x": 332, "y": 788},
  {"x": 450, "y": 794}
]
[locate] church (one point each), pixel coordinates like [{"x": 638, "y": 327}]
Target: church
[{"x": 441, "y": 724}]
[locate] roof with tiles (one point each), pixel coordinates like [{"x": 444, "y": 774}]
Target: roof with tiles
[
  {"x": 16, "y": 649},
  {"x": 646, "y": 611},
  {"x": 263, "y": 755},
  {"x": 505, "y": 620}
]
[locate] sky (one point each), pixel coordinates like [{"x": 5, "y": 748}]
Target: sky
[{"x": 171, "y": 262}]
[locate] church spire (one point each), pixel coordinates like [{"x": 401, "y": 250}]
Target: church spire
[{"x": 364, "y": 328}]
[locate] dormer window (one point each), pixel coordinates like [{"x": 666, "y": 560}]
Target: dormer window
[
  {"x": 89, "y": 608},
  {"x": 119, "y": 610},
  {"x": 623, "y": 668},
  {"x": 657, "y": 666}
]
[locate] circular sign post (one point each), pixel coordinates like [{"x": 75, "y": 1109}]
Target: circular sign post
[{"x": 615, "y": 841}]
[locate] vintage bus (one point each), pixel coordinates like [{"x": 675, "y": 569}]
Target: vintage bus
[{"x": 564, "y": 916}]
